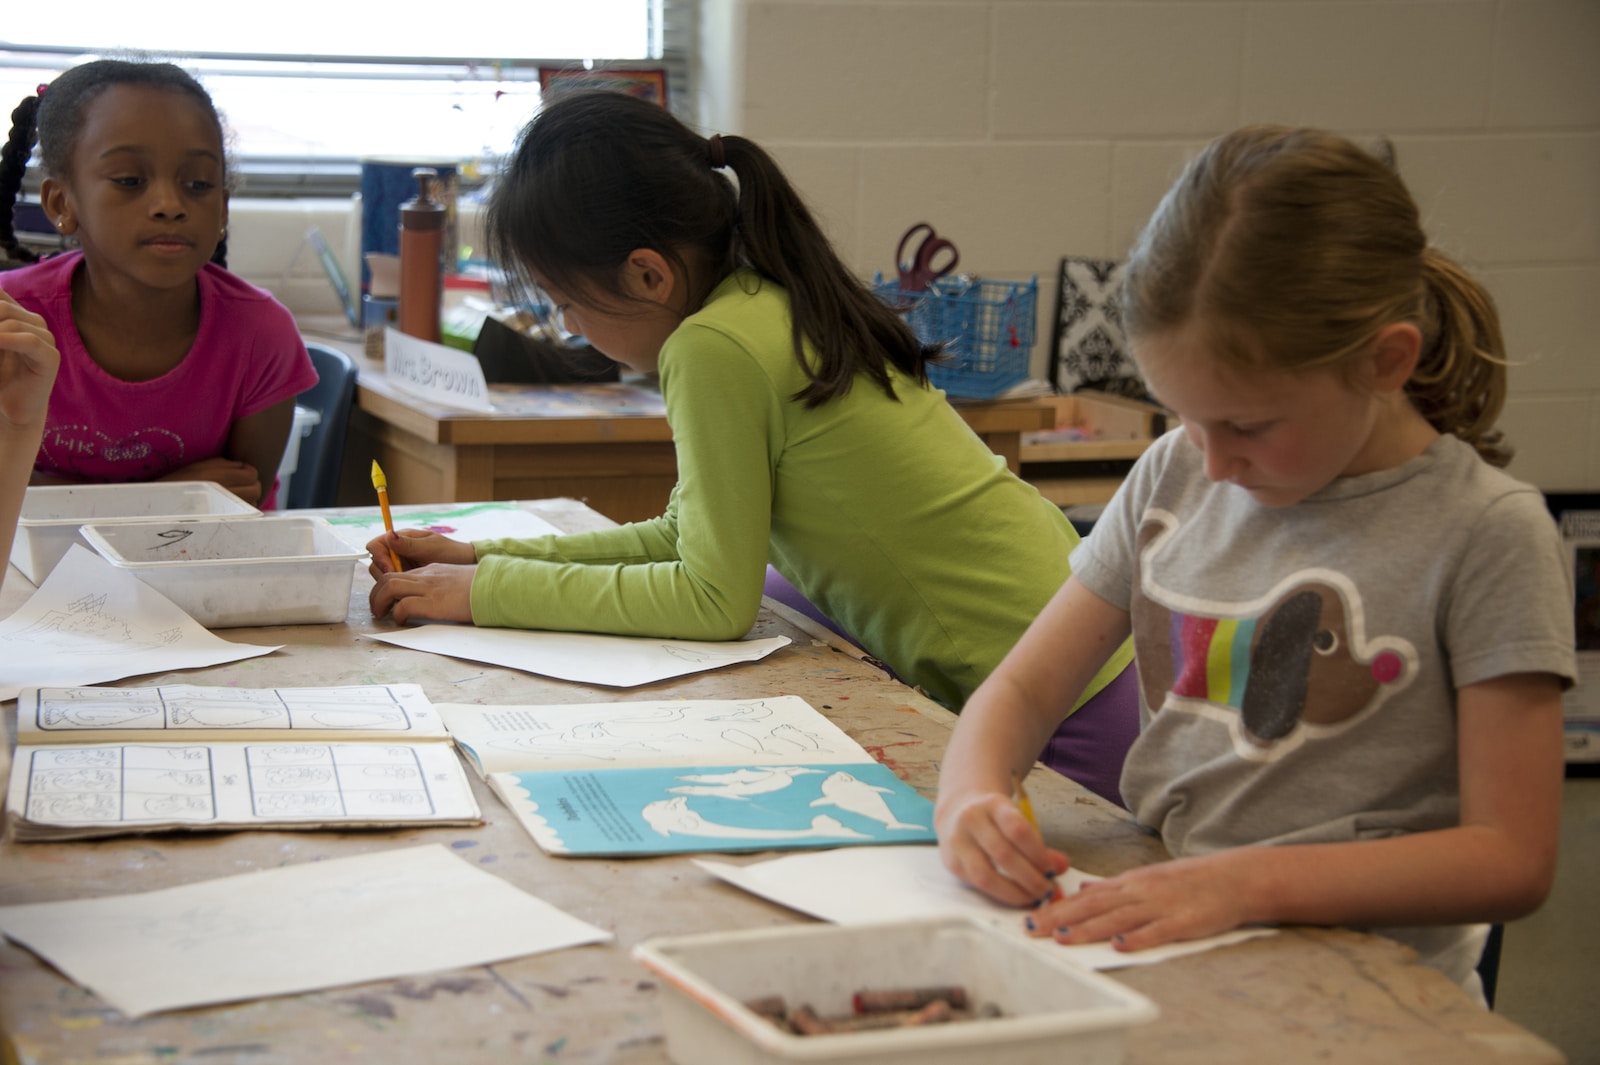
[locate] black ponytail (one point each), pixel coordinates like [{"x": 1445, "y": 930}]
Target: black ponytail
[
  {"x": 596, "y": 175},
  {"x": 13, "y": 162}
]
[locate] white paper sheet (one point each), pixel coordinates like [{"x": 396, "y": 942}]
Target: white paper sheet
[
  {"x": 91, "y": 621},
  {"x": 615, "y": 661},
  {"x": 292, "y": 929},
  {"x": 781, "y": 730},
  {"x": 459, "y": 521},
  {"x": 861, "y": 885}
]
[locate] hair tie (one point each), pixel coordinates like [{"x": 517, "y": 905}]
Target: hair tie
[
  {"x": 714, "y": 150},
  {"x": 40, "y": 88}
]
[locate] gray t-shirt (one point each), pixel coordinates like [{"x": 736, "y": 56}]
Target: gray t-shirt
[{"x": 1298, "y": 665}]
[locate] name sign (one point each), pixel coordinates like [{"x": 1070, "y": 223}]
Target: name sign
[{"x": 434, "y": 372}]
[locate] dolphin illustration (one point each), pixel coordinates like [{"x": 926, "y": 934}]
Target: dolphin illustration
[
  {"x": 850, "y": 793},
  {"x": 741, "y": 782},
  {"x": 673, "y": 817}
]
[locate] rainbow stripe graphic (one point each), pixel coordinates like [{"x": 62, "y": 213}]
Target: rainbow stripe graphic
[{"x": 1211, "y": 657}]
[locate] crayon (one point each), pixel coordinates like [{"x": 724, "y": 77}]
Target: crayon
[{"x": 911, "y": 998}]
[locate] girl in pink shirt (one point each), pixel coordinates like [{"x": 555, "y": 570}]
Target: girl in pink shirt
[{"x": 171, "y": 367}]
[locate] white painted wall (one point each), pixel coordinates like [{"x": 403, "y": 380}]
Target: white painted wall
[{"x": 1029, "y": 130}]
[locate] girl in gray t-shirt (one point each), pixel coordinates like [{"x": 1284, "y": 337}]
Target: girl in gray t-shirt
[{"x": 1352, "y": 629}]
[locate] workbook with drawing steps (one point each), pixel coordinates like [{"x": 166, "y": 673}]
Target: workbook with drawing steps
[
  {"x": 110, "y": 761},
  {"x": 669, "y": 777}
]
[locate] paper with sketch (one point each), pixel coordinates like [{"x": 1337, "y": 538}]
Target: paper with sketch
[
  {"x": 861, "y": 885},
  {"x": 781, "y": 730},
  {"x": 90, "y": 621},
  {"x": 106, "y": 761},
  {"x": 682, "y": 809},
  {"x": 73, "y": 791},
  {"x": 292, "y": 929},
  {"x": 614, "y": 661},
  {"x": 459, "y": 521},
  {"x": 388, "y": 712}
]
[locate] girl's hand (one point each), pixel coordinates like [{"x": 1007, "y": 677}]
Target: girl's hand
[
  {"x": 28, "y": 364},
  {"x": 1188, "y": 898},
  {"x": 987, "y": 843},
  {"x": 240, "y": 478},
  {"x": 438, "y": 592},
  {"x": 416, "y": 547}
]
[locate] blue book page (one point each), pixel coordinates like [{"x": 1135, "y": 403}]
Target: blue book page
[{"x": 688, "y": 809}]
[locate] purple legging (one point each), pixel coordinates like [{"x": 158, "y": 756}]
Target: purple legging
[
  {"x": 1090, "y": 746},
  {"x": 1087, "y": 747}
]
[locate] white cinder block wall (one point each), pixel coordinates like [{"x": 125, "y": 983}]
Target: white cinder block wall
[{"x": 1029, "y": 129}]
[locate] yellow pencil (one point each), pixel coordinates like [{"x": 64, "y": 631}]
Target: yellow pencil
[
  {"x": 1020, "y": 796},
  {"x": 381, "y": 483}
]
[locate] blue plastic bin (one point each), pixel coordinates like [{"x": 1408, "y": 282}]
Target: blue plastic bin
[{"x": 985, "y": 326}]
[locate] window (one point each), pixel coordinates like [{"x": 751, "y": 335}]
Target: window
[{"x": 317, "y": 87}]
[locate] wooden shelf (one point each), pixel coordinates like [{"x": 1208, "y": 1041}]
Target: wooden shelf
[{"x": 1106, "y": 432}]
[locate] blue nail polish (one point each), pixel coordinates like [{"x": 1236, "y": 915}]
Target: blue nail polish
[
  {"x": 1029, "y": 923},
  {"x": 1063, "y": 932}
]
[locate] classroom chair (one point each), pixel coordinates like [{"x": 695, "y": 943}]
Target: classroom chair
[{"x": 316, "y": 479}]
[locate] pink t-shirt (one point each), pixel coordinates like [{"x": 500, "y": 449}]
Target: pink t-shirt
[{"x": 247, "y": 356}]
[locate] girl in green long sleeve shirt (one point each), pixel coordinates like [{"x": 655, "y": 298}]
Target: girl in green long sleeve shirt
[{"x": 806, "y": 432}]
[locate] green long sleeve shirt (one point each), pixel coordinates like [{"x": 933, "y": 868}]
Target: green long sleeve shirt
[{"x": 890, "y": 515}]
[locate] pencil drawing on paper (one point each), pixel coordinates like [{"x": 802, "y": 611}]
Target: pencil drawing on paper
[
  {"x": 128, "y": 784},
  {"x": 86, "y": 618},
  {"x": 708, "y": 732},
  {"x": 376, "y": 708},
  {"x": 309, "y": 780},
  {"x": 138, "y": 783}
]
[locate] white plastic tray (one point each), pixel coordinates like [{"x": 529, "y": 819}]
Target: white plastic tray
[
  {"x": 227, "y": 573},
  {"x": 1052, "y": 1011},
  {"x": 52, "y": 514}
]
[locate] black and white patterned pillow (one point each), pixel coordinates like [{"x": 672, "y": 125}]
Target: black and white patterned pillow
[{"x": 1088, "y": 349}]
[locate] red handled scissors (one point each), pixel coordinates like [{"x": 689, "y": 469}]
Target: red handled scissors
[{"x": 933, "y": 258}]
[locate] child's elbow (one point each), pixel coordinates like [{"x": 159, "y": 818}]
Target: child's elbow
[
  {"x": 723, "y": 628},
  {"x": 1525, "y": 892},
  {"x": 717, "y": 622}
]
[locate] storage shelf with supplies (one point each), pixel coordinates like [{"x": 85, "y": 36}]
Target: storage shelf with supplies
[
  {"x": 986, "y": 327},
  {"x": 1096, "y": 438}
]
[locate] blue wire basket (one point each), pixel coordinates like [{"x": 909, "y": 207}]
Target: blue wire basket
[{"x": 986, "y": 328}]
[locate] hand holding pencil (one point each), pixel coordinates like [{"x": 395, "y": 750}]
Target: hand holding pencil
[
  {"x": 410, "y": 548},
  {"x": 381, "y": 483}
]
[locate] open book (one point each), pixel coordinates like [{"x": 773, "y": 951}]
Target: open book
[
  {"x": 106, "y": 761},
  {"x": 670, "y": 777}
]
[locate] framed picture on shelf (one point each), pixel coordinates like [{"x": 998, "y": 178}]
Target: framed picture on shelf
[
  {"x": 1579, "y": 517},
  {"x": 647, "y": 84}
]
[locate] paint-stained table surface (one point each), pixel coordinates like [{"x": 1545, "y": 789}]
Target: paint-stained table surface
[{"x": 1302, "y": 995}]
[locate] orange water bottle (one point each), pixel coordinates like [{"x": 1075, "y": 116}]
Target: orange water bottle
[{"x": 421, "y": 267}]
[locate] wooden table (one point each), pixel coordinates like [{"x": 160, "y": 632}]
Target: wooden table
[
  {"x": 1302, "y": 995},
  {"x": 623, "y": 466}
]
